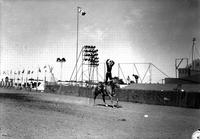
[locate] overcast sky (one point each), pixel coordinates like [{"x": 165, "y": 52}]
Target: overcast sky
[{"x": 36, "y": 32}]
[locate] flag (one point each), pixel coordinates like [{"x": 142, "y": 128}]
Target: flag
[
  {"x": 45, "y": 68},
  {"x": 28, "y": 72},
  {"x": 82, "y": 12},
  {"x": 23, "y": 71},
  {"x": 15, "y": 72},
  {"x": 39, "y": 70},
  {"x": 32, "y": 72}
]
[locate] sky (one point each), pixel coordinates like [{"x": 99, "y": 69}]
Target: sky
[{"x": 35, "y": 33}]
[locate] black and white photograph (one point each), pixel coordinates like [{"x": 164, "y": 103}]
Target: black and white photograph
[{"x": 99, "y": 69}]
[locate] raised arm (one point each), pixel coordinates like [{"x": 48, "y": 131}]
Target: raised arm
[
  {"x": 112, "y": 63},
  {"x": 107, "y": 60}
]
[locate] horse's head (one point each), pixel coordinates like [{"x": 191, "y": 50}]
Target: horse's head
[{"x": 116, "y": 80}]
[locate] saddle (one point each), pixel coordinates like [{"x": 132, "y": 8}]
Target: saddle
[{"x": 106, "y": 88}]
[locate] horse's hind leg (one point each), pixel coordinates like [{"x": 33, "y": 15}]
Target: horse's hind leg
[
  {"x": 95, "y": 96},
  {"x": 96, "y": 93}
]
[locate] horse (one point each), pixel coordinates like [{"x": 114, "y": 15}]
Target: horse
[{"x": 106, "y": 90}]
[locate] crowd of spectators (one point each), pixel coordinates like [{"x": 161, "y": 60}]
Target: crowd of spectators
[{"x": 18, "y": 84}]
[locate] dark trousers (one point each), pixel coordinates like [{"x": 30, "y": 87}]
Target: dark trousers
[{"x": 108, "y": 75}]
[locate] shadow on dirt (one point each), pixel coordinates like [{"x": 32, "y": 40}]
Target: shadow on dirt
[
  {"x": 28, "y": 101},
  {"x": 16, "y": 97},
  {"x": 103, "y": 105},
  {"x": 33, "y": 102}
]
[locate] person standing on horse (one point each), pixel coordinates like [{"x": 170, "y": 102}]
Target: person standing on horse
[
  {"x": 106, "y": 89},
  {"x": 109, "y": 65}
]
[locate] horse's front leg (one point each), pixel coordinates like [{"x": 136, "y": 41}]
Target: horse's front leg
[
  {"x": 103, "y": 97},
  {"x": 111, "y": 99},
  {"x": 116, "y": 96},
  {"x": 117, "y": 103}
]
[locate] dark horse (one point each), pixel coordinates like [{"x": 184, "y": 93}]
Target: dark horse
[{"x": 106, "y": 90}]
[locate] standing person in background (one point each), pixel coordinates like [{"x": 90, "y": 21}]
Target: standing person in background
[
  {"x": 109, "y": 65},
  {"x": 136, "y": 78},
  {"x": 128, "y": 80}
]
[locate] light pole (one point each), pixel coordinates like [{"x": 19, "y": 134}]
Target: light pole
[
  {"x": 193, "y": 47},
  {"x": 61, "y": 60},
  {"x": 79, "y": 11}
]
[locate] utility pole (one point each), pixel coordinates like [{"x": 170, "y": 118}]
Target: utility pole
[
  {"x": 79, "y": 11},
  {"x": 193, "y": 47}
]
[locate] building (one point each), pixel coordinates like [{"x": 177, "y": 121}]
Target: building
[{"x": 187, "y": 75}]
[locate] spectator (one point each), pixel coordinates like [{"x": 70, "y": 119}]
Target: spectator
[
  {"x": 136, "y": 78},
  {"x": 128, "y": 80}
]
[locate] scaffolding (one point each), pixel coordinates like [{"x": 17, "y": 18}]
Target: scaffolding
[
  {"x": 143, "y": 73},
  {"x": 87, "y": 65}
]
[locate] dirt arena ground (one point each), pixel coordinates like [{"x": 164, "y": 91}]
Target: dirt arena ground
[{"x": 31, "y": 115}]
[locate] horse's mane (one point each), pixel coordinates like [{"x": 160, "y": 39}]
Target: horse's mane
[{"x": 112, "y": 83}]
